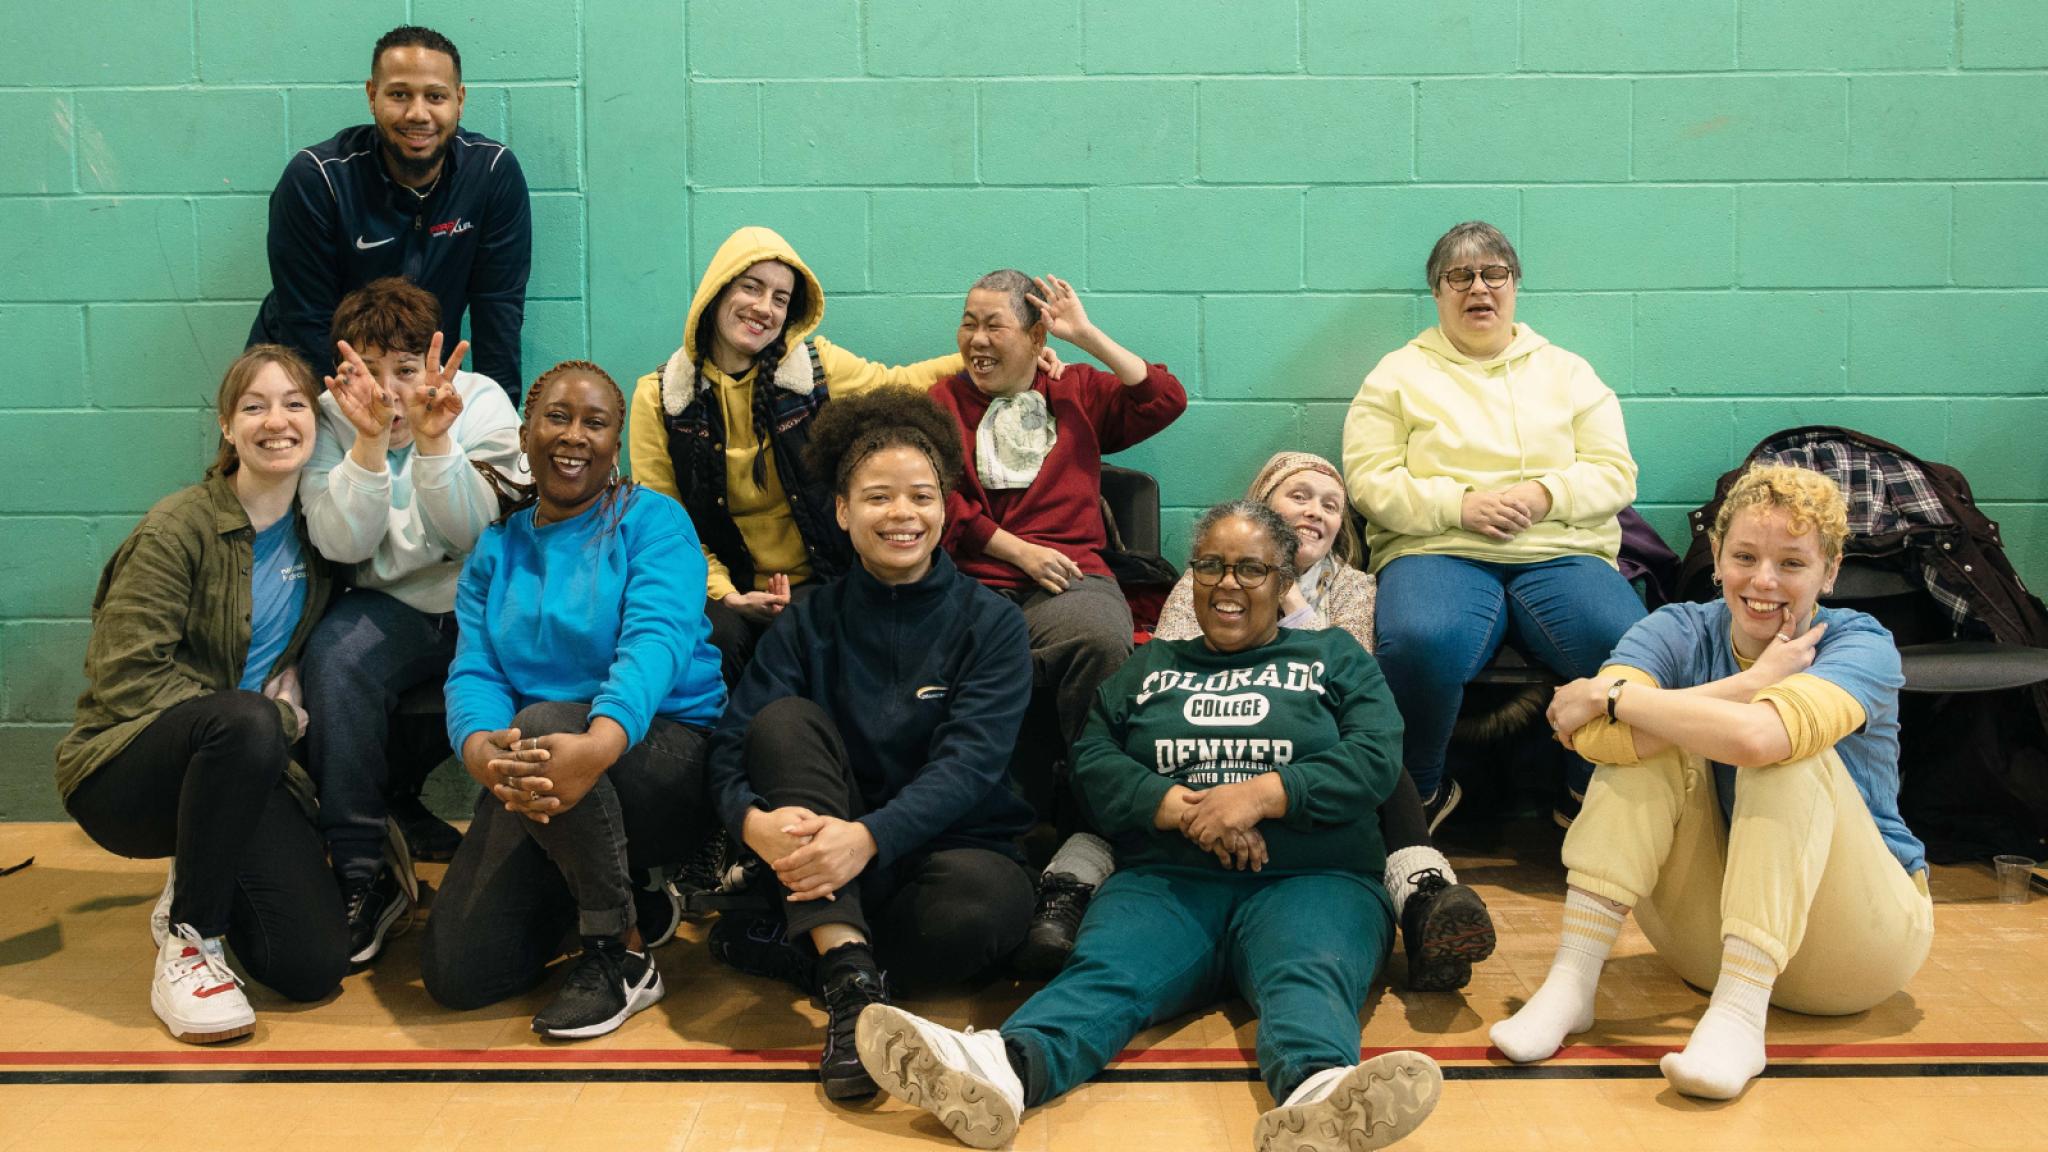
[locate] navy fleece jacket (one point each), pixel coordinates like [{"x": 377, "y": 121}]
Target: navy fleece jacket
[{"x": 927, "y": 683}]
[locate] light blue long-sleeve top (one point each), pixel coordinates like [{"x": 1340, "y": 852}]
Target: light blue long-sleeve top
[{"x": 580, "y": 613}]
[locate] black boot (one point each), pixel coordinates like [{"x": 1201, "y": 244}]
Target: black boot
[
  {"x": 1062, "y": 900},
  {"x": 1445, "y": 929}
]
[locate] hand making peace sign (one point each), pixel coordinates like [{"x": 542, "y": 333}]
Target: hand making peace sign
[
  {"x": 432, "y": 405},
  {"x": 360, "y": 395}
]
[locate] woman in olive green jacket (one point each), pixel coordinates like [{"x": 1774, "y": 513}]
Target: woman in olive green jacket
[{"x": 182, "y": 742}]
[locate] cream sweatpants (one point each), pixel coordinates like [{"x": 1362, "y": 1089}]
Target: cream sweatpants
[{"x": 1800, "y": 871}]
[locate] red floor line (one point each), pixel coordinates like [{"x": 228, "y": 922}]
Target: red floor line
[{"x": 1237, "y": 1056}]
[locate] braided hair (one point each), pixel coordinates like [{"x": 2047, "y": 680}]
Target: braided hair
[
  {"x": 514, "y": 496},
  {"x": 766, "y": 361}
]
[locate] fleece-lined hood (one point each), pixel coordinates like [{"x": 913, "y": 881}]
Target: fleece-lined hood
[
  {"x": 1435, "y": 343},
  {"x": 741, "y": 251}
]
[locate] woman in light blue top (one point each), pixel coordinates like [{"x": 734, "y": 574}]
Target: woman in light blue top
[{"x": 583, "y": 687}]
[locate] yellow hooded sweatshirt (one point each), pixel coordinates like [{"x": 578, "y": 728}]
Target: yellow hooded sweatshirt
[
  {"x": 1431, "y": 424},
  {"x": 761, "y": 511}
]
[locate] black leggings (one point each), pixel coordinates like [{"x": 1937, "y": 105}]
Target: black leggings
[
  {"x": 1402, "y": 822},
  {"x": 933, "y": 916},
  {"x": 205, "y": 783}
]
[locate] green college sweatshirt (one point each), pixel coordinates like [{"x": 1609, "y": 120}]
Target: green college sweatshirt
[{"x": 1311, "y": 706}]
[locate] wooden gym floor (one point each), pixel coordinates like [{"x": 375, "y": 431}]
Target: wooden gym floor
[{"x": 1957, "y": 1060}]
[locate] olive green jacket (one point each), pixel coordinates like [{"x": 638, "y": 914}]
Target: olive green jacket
[{"x": 170, "y": 623}]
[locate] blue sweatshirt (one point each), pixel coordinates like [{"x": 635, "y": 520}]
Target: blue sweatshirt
[
  {"x": 927, "y": 684},
  {"x": 339, "y": 221},
  {"x": 573, "y": 613}
]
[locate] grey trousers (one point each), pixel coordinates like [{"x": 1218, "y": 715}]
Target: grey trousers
[
  {"x": 516, "y": 886},
  {"x": 1079, "y": 638}
]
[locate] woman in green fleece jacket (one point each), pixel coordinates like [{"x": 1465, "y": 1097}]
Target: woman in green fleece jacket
[{"x": 1239, "y": 774}]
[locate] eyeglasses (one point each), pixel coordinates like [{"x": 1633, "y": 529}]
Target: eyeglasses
[
  {"x": 1209, "y": 572},
  {"x": 1495, "y": 275}
]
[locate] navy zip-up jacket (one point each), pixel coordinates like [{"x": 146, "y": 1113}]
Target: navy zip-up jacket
[
  {"x": 927, "y": 684},
  {"x": 339, "y": 221}
]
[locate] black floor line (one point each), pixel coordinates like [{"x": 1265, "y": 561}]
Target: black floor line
[{"x": 806, "y": 1075}]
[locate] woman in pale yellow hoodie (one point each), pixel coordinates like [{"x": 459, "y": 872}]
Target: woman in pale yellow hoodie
[
  {"x": 1490, "y": 465},
  {"x": 705, "y": 434}
]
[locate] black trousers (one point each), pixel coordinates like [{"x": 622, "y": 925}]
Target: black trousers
[
  {"x": 516, "y": 888},
  {"x": 1402, "y": 821},
  {"x": 736, "y": 637},
  {"x": 205, "y": 783},
  {"x": 937, "y": 916}
]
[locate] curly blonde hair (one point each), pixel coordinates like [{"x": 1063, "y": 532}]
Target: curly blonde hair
[{"x": 1811, "y": 498}]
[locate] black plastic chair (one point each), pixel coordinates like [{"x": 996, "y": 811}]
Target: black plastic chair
[
  {"x": 1932, "y": 665},
  {"x": 1133, "y": 499}
]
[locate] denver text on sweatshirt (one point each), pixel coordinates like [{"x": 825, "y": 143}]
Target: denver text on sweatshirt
[
  {"x": 927, "y": 684},
  {"x": 1431, "y": 424},
  {"x": 1311, "y": 706},
  {"x": 576, "y": 613}
]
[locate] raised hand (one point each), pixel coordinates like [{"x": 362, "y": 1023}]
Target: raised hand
[
  {"x": 1788, "y": 655},
  {"x": 1060, "y": 307},
  {"x": 361, "y": 396},
  {"x": 432, "y": 406}
]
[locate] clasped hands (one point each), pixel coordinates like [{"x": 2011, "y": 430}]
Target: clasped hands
[
  {"x": 543, "y": 776},
  {"x": 1224, "y": 821},
  {"x": 813, "y": 856},
  {"x": 1506, "y": 514}
]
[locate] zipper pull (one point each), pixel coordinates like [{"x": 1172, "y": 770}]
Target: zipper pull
[{"x": 418, "y": 222}]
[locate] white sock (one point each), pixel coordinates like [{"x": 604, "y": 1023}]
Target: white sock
[
  {"x": 1726, "y": 1049},
  {"x": 1564, "y": 1005},
  {"x": 1085, "y": 857},
  {"x": 1404, "y": 863}
]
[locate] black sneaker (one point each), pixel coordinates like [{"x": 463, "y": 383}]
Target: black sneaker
[
  {"x": 428, "y": 836},
  {"x": 374, "y": 904},
  {"x": 1445, "y": 929},
  {"x": 759, "y": 945},
  {"x": 657, "y": 910},
  {"x": 607, "y": 985},
  {"x": 705, "y": 873},
  {"x": 1061, "y": 902},
  {"x": 1436, "y": 807},
  {"x": 840, "y": 1069}
]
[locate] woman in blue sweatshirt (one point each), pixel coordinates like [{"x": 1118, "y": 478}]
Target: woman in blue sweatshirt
[
  {"x": 864, "y": 756},
  {"x": 583, "y": 688}
]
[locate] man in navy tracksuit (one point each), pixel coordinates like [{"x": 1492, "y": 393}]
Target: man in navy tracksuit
[{"x": 410, "y": 195}]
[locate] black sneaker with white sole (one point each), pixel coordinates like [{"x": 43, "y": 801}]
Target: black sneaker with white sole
[
  {"x": 1062, "y": 901},
  {"x": 1567, "y": 809},
  {"x": 839, "y": 1068},
  {"x": 607, "y": 985},
  {"x": 1445, "y": 929},
  {"x": 1438, "y": 806},
  {"x": 373, "y": 903}
]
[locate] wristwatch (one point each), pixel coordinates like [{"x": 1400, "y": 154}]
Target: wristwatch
[{"x": 1613, "y": 694}]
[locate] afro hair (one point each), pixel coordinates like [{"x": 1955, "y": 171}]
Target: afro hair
[{"x": 852, "y": 428}]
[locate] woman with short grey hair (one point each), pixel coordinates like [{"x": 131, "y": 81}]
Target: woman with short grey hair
[{"x": 1490, "y": 465}]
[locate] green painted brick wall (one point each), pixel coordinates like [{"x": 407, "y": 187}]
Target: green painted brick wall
[{"x": 1746, "y": 213}]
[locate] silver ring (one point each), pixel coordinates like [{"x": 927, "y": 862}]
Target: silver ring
[{"x": 1784, "y": 637}]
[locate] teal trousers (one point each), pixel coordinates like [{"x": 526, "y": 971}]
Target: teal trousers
[{"x": 1160, "y": 942}]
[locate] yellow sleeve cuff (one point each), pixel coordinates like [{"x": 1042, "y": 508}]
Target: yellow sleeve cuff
[
  {"x": 1604, "y": 741},
  {"x": 1817, "y": 713},
  {"x": 717, "y": 580}
]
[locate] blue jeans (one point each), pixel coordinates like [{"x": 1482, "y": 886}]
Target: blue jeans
[
  {"x": 1160, "y": 942},
  {"x": 367, "y": 650},
  {"x": 1441, "y": 618}
]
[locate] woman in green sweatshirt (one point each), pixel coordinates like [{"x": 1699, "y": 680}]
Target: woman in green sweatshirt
[{"x": 1239, "y": 774}]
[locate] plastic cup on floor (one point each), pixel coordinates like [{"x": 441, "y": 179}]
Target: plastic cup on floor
[{"x": 2015, "y": 874}]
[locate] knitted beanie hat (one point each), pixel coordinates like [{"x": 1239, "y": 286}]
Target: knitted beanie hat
[{"x": 1285, "y": 464}]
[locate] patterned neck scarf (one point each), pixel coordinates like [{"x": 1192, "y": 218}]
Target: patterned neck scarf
[{"x": 1016, "y": 434}]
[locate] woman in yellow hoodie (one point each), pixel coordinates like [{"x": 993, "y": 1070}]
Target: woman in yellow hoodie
[
  {"x": 1490, "y": 465},
  {"x": 731, "y": 452}
]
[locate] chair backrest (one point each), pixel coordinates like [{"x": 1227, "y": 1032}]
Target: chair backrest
[
  {"x": 1133, "y": 499},
  {"x": 1900, "y": 604}
]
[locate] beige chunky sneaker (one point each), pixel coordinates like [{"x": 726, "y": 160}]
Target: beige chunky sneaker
[
  {"x": 963, "y": 1078},
  {"x": 195, "y": 994},
  {"x": 1369, "y": 1105}
]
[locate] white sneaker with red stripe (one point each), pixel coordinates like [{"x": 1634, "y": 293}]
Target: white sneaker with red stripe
[{"x": 195, "y": 994}]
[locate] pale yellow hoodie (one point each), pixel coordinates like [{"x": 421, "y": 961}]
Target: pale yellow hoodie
[
  {"x": 761, "y": 511},
  {"x": 1431, "y": 424}
]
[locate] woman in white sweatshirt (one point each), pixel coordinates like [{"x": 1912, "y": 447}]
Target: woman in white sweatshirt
[{"x": 1490, "y": 465}]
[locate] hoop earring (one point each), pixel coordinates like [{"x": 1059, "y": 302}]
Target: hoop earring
[{"x": 1716, "y": 577}]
